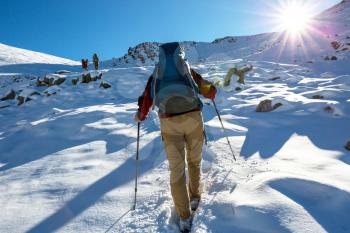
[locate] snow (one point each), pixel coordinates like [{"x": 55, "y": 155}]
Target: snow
[
  {"x": 67, "y": 161},
  {"x": 10, "y": 55}
]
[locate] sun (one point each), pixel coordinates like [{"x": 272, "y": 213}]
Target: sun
[{"x": 294, "y": 17}]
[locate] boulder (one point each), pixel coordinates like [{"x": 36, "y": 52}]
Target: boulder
[
  {"x": 266, "y": 106},
  {"x": 86, "y": 78},
  {"x": 105, "y": 85},
  {"x": 274, "y": 78},
  {"x": 98, "y": 77},
  {"x": 318, "y": 97},
  {"x": 34, "y": 93},
  {"x": 49, "y": 81},
  {"x": 335, "y": 44},
  {"x": 9, "y": 96},
  {"x": 277, "y": 105},
  {"x": 41, "y": 83},
  {"x": 59, "y": 81},
  {"x": 75, "y": 81},
  {"x": 334, "y": 58},
  {"x": 347, "y": 146},
  {"x": 21, "y": 100},
  {"x": 329, "y": 109}
]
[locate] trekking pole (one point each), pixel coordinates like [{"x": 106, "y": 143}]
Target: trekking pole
[
  {"x": 222, "y": 125},
  {"x": 137, "y": 159}
]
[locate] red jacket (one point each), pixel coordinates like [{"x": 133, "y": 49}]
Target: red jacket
[{"x": 145, "y": 101}]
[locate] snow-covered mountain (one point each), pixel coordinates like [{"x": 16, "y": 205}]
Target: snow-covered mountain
[
  {"x": 328, "y": 38},
  {"x": 10, "y": 56},
  {"x": 67, "y": 152}
]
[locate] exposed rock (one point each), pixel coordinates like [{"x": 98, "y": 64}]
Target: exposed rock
[
  {"x": 59, "y": 81},
  {"x": 21, "y": 99},
  {"x": 347, "y": 146},
  {"x": 75, "y": 81},
  {"x": 327, "y": 58},
  {"x": 86, "y": 78},
  {"x": 266, "y": 106},
  {"x": 274, "y": 78},
  {"x": 41, "y": 83},
  {"x": 277, "y": 105},
  {"x": 334, "y": 58},
  {"x": 9, "y": 96},
  {"x": 329, "y": 109},
  {"x": 105, "y": 85},
  {"x": 238, "y": 88},
  {"x": 318, "y": 97},
  {"x": 98, "y": 77},
  {"x": 49, "y": 81},
  {"x": 335, "y": 44},
  {"x": 34, "y": 93}
]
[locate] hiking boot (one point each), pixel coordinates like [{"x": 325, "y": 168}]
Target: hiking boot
[
  {"x": 194, "y": 203},
  {"x": 185, "y": 225}
]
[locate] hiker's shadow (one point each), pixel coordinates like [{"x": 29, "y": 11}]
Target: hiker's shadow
[{"x": 88, "y": 197}]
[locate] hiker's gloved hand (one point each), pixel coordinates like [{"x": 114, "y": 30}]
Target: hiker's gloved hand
[
  {"x": 138, "y": 117},
  {"x": 211, "y": 93}
]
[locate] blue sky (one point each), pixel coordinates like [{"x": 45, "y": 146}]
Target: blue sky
[{"x": 78, "y": 28}]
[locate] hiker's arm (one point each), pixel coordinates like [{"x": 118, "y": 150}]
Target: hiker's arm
[
  {"x": 206, "y": 88},
  {"x": 145, "y": 101}
]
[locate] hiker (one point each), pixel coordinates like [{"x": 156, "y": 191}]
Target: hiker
[
  {"x": 85, "y": 63},
  {"x": 239, "y": 72},
  {"x": 173, "y": 88},
  {"x": 96, "y": 61}
]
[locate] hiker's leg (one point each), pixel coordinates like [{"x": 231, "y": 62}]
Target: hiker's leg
[
  {"x": 194, "y": 143},
  {"x": 175, "y": 150}
]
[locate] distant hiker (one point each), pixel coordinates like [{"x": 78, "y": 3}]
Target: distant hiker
[
  {"x": 239, "y": 72},
  {"x": 96, "y": 61},
  {"x": 173, "y": 88},
  {"x": 85, "y": 63}
]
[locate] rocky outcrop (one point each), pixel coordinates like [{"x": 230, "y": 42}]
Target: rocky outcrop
[
  {"x": 335, "y": 45},
  {"x": 98, "y": 77},
  {"x": 86, "y": 78},
  {"x": 105, "y": 85},
  {"x": 49, "y": 81},
  {"x": 329, "y": 109},
  {"x": 59, "y": 81},
  {"x": 274, "y": 78},
  {"x": 9, "y": 96},
  {"x": 266, "y": 106},
  {"x": 75, "y": 81},
  {"x": 318, "y": 97}
]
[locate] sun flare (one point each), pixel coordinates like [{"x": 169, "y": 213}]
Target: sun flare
[{"x": 294, "y": 17}]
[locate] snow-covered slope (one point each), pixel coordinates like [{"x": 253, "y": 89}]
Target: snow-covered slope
[
  {"x": 67, "y": 158},
  {"x": 16, "y": 61},
  {"x": 10, "y": 55}
]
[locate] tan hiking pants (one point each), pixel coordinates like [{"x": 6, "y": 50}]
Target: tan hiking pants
[{"x": 180, "y": 133}]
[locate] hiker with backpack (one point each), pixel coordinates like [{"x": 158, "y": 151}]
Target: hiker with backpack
[
  {"x": 84, "y": 64},
  {"x": 174, "y": 88},
  {"x": 96, "y": 61}
]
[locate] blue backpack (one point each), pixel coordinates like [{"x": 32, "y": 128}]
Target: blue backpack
[{"x": 173, "y": 89}]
